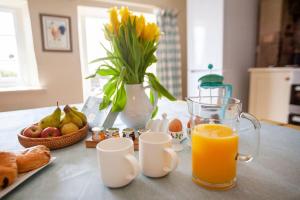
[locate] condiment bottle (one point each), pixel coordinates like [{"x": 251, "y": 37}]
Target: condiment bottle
[
  {"x": 129, "y": 133},
  {"x": 112, "y": 132},
  {"x": 98, "y": 133}
]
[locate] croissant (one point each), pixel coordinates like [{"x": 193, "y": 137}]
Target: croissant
[
  {"x": 33, "y": 158},
  {"x": 8, "y": 169}
]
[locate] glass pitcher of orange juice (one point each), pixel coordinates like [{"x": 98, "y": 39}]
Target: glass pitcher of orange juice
[{"x": 215, "y": 140}]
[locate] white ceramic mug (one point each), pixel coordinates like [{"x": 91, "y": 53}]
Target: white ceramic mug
[
  {"x": 118, "y": 166},
  {"x": 156, "y": 156}
]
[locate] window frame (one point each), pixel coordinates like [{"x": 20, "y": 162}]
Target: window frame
[
  {"x": 10, "y": 82},
  {"x": 26, "y": 60},
  {"x": 83, "y": 12}
]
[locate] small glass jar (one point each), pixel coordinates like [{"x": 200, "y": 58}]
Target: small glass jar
[
  {"x": 98, "y": 133},
  {"x": 112, "y": 132},
  {"x": 128, "y": 133}
]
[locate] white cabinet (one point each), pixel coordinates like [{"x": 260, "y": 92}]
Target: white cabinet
[{"x": 270, "y": 90}]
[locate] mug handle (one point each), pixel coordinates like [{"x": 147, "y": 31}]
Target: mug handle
[
  {"x": 134, "y": 165},
  {"x": 256, "y": 126},
  {"x": 174, "y": 159}
]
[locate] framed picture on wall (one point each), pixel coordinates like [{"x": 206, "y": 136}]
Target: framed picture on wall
[{"x": 56, "y": 33}]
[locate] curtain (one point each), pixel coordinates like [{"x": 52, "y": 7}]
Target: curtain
[{"x": 168, "y": 53}]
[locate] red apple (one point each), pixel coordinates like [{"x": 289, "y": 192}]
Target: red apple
[
  {"x": 50, "y": 132},
  {"x": 33, "y": 131}
]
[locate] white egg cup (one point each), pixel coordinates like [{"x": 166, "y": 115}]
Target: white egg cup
[{"x": 176, "y": 140}]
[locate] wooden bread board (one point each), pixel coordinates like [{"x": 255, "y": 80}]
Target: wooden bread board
[{"x": 90, "y": 143}]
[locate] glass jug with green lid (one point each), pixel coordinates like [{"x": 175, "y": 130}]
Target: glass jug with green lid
[{"x": 215, "y": 134}]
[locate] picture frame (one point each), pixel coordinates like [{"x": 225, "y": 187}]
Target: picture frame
[
  {"x": 95, "y": 117},
  {"x": 56, "y": 33}
]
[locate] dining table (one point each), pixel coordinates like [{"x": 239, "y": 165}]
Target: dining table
[{"x": 273, "y": 174}]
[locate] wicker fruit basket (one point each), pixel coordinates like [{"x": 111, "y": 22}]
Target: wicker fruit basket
[{"x": 54, "y": 142}]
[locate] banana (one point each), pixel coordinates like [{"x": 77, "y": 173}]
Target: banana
[
  {"x": 73, "y": 117},
  {"x": 80, "y": 115}
]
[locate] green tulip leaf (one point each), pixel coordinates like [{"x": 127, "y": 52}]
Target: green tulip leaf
[
  {"x": 91, "y": 76},
  {"x": 119, "y": 101},
  {"x": 152, "y": 99},
  {"x": 107, "y": 72},
  {"x": 102, "y": 59},
  {"x": 158, "y": 87},
  {"x": 110, "y": 87},
  {"x": 154, "y": 113},
  {"x": 105, "y": 103}
]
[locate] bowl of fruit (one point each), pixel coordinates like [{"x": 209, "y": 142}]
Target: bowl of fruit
[{"x": 57, "y": 130}]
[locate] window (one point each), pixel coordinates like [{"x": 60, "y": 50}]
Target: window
[
  {"x": 91, "y": 33},
  {"x": 9, "y": 65},
  {"x": 17, "y": 61}
]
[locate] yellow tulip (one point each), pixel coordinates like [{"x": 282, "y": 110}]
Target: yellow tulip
[
  {"x": 157, "y": 33},
  {"x": 108, "y": 30},
  {"x": 144, "y": 34},
  {"x": 140, "y": 24},
  {"x": 151, "y": 32},
  {"x": 124, "y": 13},
  {"x": 132, "y": 18},
  {"x": 109, "y": 27},
  {"x": 113, "y": 15}
]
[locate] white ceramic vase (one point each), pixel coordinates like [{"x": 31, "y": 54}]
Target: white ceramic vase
[{"x": 138, "y": 108}]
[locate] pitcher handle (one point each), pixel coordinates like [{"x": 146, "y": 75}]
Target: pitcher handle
[
  {"x": 155, "y": 95},
  {"x": 256, "y": 126}
]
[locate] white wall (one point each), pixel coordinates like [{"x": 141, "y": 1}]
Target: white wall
[{"x": 240, "y": 31}]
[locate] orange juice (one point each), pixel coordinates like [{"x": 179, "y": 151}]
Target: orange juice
[{"x": 214, "y": 151}]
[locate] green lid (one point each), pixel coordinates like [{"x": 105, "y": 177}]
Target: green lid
[{"x": 211, "y": 80}]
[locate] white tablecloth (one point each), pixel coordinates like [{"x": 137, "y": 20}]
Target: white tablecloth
[{"x": 275, "y": 174}]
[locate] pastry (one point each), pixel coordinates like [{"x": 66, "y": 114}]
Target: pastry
[
  {"x": 33, "y": 158},
  {"x": 8, "y": 169}
]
